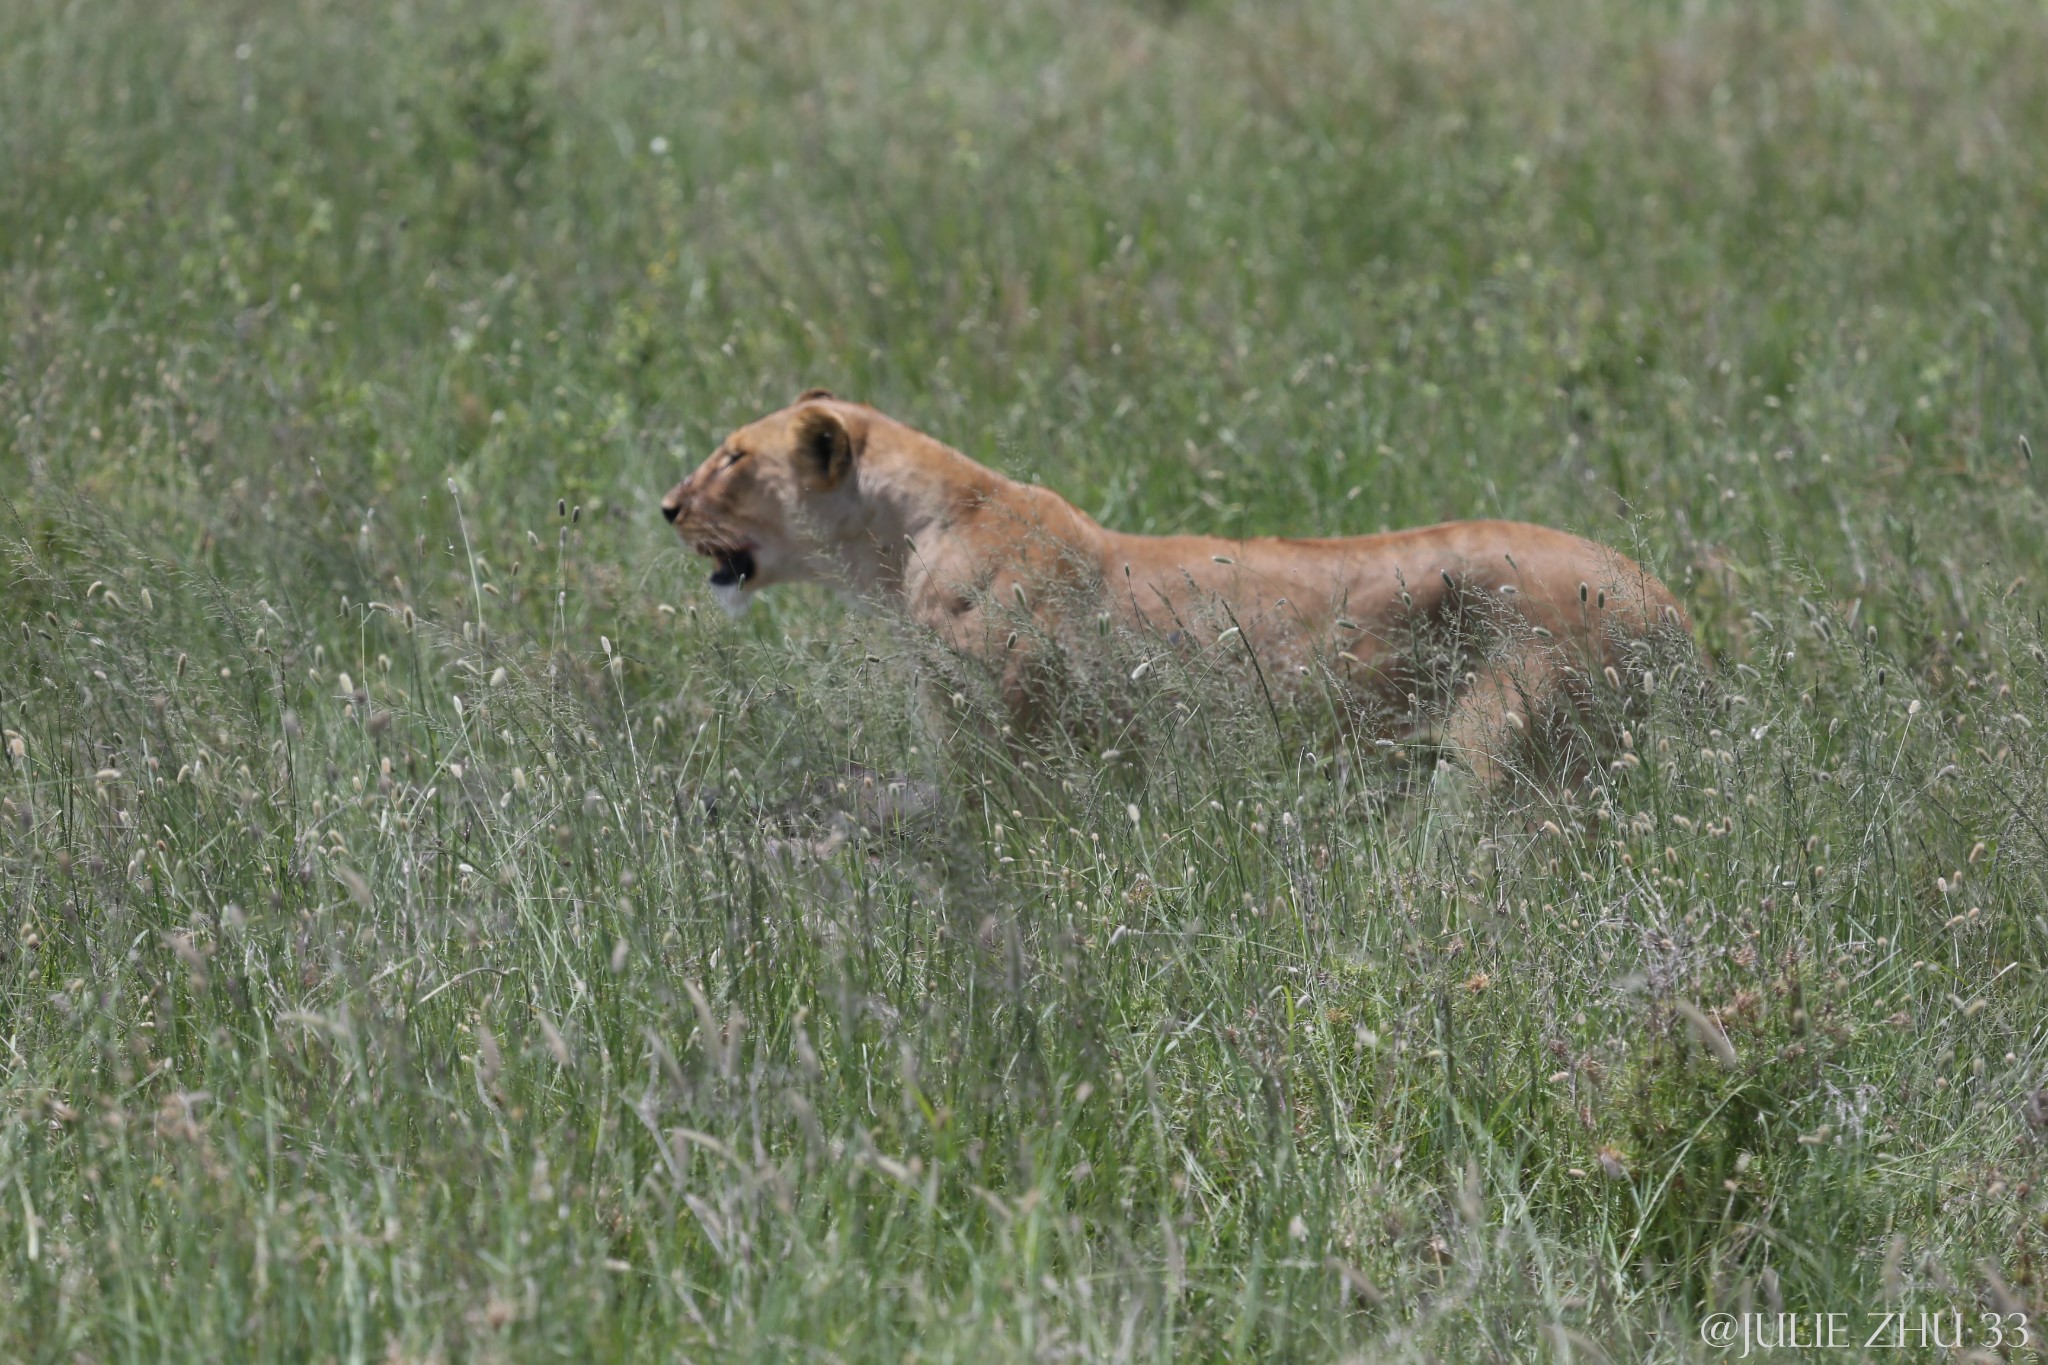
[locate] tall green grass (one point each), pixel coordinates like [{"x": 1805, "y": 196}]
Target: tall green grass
[{"x": 432, "y": 932}]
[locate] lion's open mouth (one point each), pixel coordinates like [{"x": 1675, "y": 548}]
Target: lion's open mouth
[{"x": 730, "y": 568}]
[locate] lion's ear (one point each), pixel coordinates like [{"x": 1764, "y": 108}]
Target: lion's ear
[
  {"x": 824, "y": 447},
  {"x": 812, "y": 395}
]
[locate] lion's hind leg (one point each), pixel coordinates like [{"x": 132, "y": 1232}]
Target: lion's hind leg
[{"x": 1521, "y": 719}]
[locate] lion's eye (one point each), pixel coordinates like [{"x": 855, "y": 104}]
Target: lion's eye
[{"x": 733, "y": 457}]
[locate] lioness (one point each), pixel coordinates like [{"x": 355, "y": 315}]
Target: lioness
[{"x": 1511, "y": 625}]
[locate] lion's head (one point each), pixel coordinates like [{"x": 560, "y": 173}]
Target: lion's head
[{"x": 773, "y": 499}]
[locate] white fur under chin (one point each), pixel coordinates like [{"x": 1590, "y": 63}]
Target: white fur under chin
[{"x": 732, "y": 597}]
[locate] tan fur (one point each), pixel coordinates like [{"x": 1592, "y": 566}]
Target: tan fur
[{"x": 838, "y": 493}]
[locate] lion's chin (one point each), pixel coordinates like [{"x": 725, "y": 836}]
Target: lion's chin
[
  {"x": 733, "y": 597},
  {"x": 731, "y": 572}
]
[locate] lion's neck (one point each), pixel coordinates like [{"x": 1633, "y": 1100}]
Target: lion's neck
[
  {"x": 925, "y": 522},
  {"x": 908, "y": 495}
]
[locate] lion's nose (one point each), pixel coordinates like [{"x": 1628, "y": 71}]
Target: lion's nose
[{"x": 672, "y": 505}]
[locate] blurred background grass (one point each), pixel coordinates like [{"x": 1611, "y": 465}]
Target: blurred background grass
[{"x": 399, "y": 855}]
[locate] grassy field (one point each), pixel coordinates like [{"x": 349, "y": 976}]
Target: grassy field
[{"x": 430, "y": 931}]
